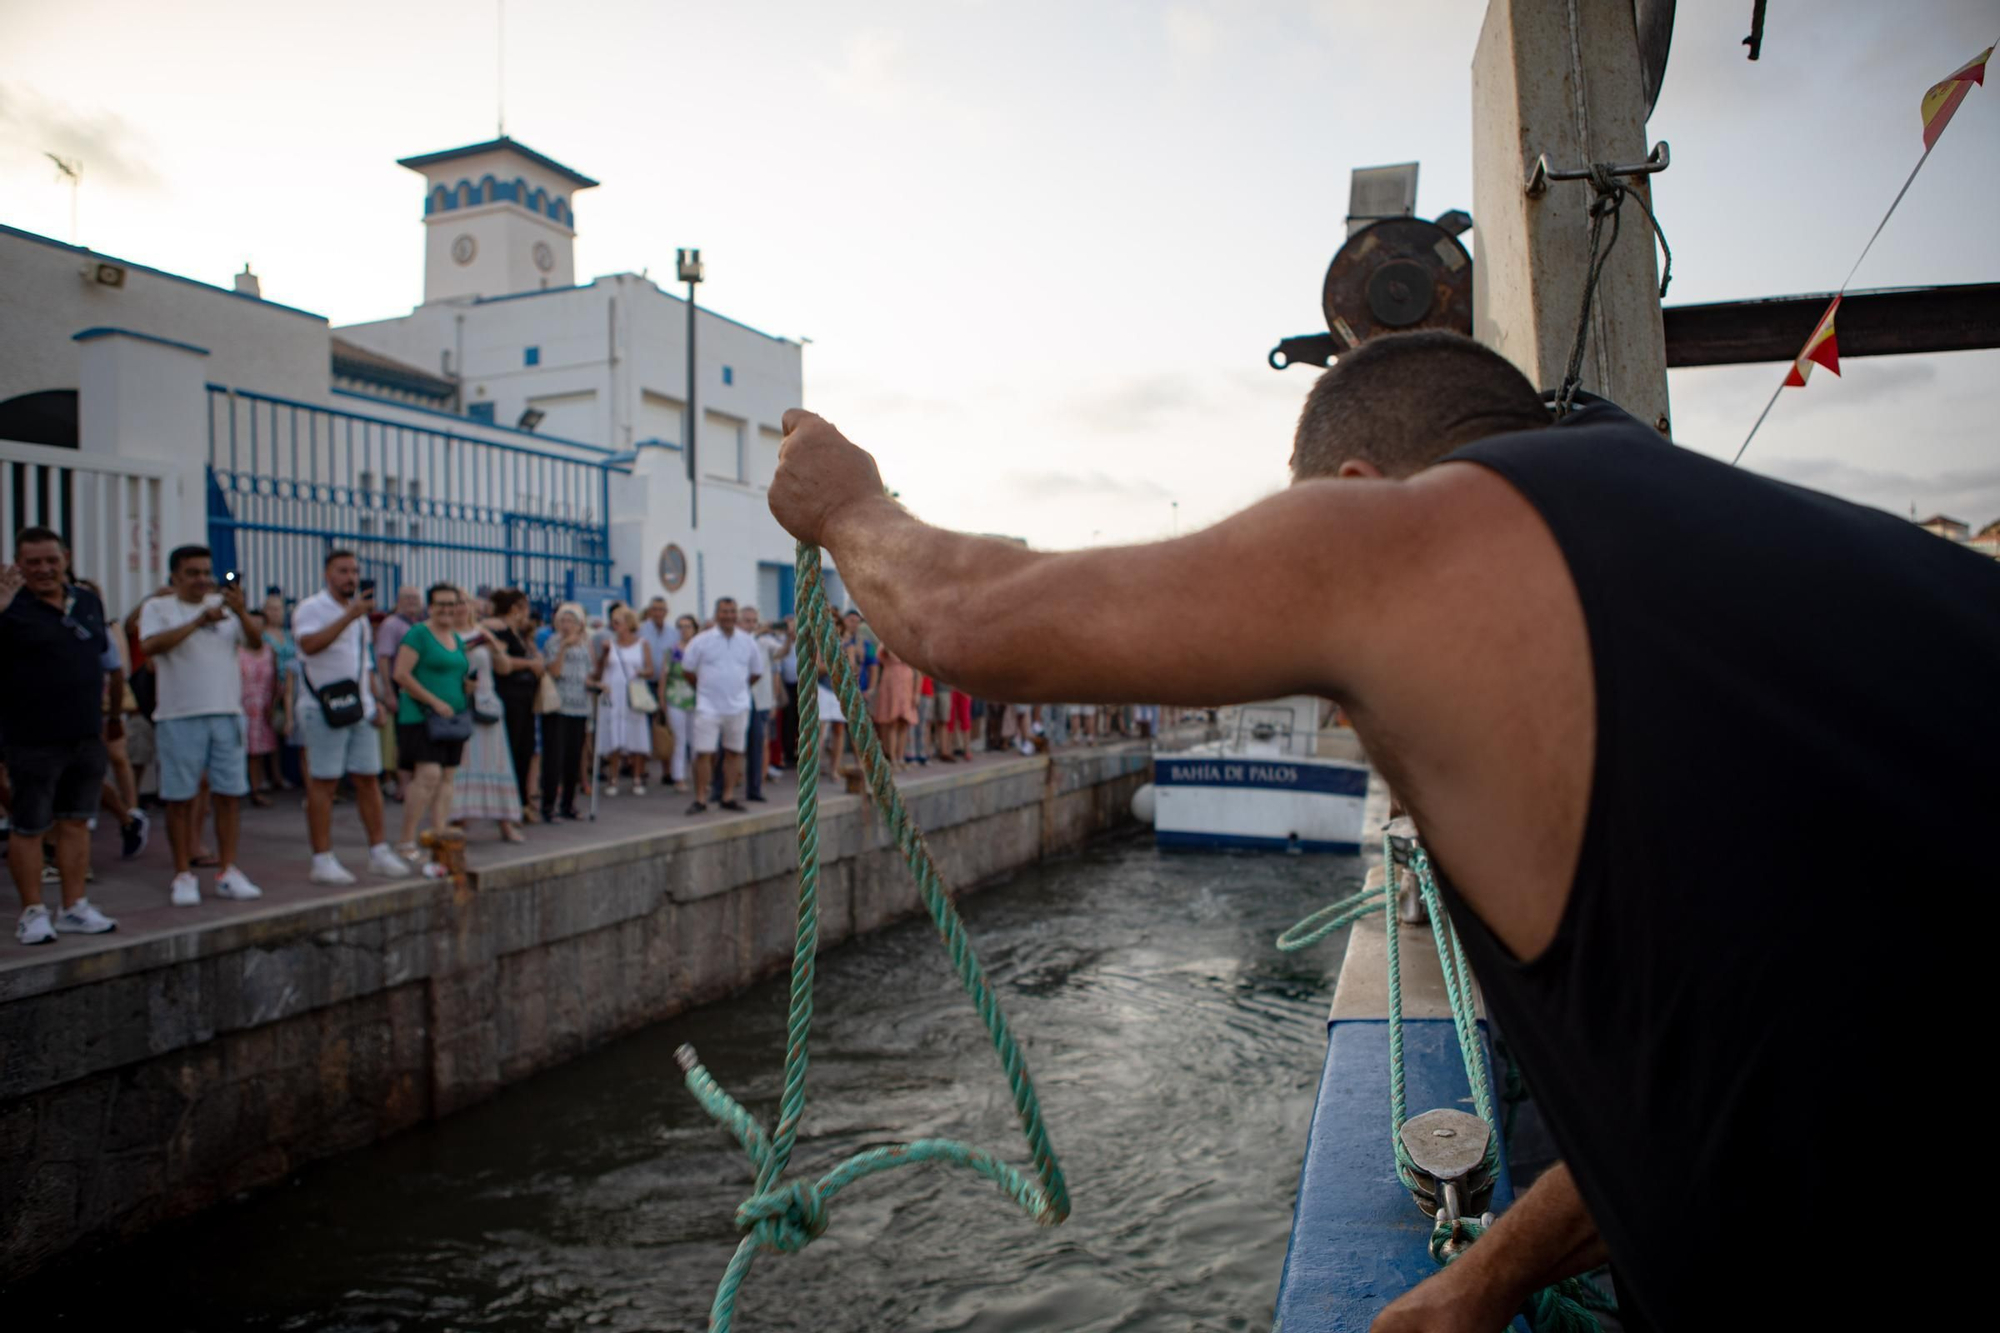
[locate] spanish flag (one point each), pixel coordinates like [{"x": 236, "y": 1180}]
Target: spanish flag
[
  {"x": 1820, "y": 348},
  {"x": 1941, "y": 102}
]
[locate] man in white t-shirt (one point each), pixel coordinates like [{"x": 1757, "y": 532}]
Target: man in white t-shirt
[
  {"x": 335, "y": 662},
  {"x": 191, "y": 635},
  {"x": 722, "y": 663}
]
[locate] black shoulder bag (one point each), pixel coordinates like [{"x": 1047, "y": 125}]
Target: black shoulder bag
[{"x": 340, "y": 703}]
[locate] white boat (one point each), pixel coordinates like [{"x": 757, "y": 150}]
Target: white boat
[{"x": 1274, "y": 781}]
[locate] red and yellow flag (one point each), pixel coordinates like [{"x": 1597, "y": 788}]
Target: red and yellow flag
[
  {"x": 1821, "y": 349},
  {"x": 1942, "y": 100}
]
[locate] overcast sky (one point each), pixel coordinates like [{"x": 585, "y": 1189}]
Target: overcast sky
[{"x": 1041, "y": 248}]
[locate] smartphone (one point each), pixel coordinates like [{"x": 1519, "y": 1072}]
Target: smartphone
[
  {"x": 368, "y": 587},
  {"x": 231, "y": 579}
]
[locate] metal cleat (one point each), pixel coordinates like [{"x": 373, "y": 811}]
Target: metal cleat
[
  {"x": 1448, "y": 1149},
  {"x": 1410, "y": 908},
  {"x": 1402, "y": 834}
]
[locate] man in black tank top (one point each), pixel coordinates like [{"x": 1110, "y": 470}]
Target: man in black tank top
[{"x": 1710, "y": 765}]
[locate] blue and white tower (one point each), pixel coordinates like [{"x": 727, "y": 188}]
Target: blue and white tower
[{"x": 499, "y": 220}]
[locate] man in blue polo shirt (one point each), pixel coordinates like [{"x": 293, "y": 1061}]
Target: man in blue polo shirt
[{"x": 53, "y": 657}]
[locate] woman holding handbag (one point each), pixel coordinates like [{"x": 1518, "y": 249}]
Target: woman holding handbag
[
  {"x": 433, "y": 722},
  {"x": 625, "y": 711},
  {"x": 564, "y": 705},
  {"x": 678, "y": 695},
  {"x": 485, "y": 787}
]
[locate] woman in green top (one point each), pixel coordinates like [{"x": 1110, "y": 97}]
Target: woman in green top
[{"x": 430, "y": 671}]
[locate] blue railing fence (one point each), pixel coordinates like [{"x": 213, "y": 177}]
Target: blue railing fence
[{"x": 290, "y": 481}]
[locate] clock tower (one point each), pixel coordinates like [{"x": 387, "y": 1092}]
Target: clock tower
[{"x": 497, "y": 220}]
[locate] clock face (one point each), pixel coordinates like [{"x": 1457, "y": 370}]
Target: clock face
[
  {"x": 464, "y": 248},
  {"x": 545, "y": 258}
]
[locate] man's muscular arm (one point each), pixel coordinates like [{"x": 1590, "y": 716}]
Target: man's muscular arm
[
  {"x": 1110, "y": 624},
  {"x": 1547, "y": 1235}
]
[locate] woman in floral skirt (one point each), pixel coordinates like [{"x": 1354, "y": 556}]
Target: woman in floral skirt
[{"x": 486, "y": 786}]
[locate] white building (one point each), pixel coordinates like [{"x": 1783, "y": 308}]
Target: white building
[{"x": 514, "y": 428}]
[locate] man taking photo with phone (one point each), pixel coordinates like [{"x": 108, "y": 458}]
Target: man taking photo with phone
[
  {"x": 191, "y": 635},
  {"x": 340, "y": 719}
]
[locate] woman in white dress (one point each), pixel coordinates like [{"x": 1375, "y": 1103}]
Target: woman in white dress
[
  {"x": 624, "y": 733},
  {"x": 834, "y": 731}
]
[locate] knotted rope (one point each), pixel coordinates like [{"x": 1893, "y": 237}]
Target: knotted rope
[
  {"x": 1609, "y": 195},
  {"x": 786, "y": 1216}
]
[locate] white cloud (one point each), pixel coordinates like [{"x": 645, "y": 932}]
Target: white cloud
[
  {"x": 1190, "y": 33},
  {"x": 873, "y": 71}
]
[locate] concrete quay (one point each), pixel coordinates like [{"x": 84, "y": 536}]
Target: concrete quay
[{"x": 196, "y": 1054}]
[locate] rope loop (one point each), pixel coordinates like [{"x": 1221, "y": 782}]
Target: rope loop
[
  {"x": 784, "y": 1221},
  {"x": 787, "y": 1217}
]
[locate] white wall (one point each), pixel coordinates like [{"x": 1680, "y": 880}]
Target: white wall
[
  {"x": 44, "y": 301},
  {"x": 612, "y": 370}
]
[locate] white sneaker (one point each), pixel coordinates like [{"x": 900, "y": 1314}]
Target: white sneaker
[
  {"x": 34, "y": 926},
  {"x": 327, "y": 869},
  {"x": 638, "y": 789},
  {"x": 610, "y": 789},
  {"x": 187, "y": 890},
  {"x": 233, "y": 883},
  {"x": 385, "y": 862},
  {"x": 80, "y": 918}
]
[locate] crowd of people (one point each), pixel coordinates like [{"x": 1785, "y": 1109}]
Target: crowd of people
[{"x": 465, "y": 708}]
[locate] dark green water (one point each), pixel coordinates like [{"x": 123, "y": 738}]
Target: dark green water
[{"x": 1175, "y": 1049}]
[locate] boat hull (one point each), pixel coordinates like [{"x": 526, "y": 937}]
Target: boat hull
[{"x": 1274, "y": 803}]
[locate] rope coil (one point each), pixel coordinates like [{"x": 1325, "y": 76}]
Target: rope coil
[{"x": 786, "y": 1216}]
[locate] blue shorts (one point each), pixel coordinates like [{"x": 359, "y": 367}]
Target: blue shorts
[
  {"x": 334, "y": 752},
  {"x": 189, "y": 747}
]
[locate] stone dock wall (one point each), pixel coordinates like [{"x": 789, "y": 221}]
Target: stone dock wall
[{"x": 146, "y": 1082}]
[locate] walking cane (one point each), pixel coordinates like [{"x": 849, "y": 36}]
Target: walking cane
[{"x": 590, "y": 745}]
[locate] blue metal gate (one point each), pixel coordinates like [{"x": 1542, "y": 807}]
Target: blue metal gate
[{"x": 290, "y": 481}]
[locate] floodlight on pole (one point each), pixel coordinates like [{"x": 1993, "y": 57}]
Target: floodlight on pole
[{"x": 687, "y": 263}]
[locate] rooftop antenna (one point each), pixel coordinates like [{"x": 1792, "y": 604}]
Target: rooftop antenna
[
  {"x": 500, "y": 65},
  {"x": 71, "y": 169}
]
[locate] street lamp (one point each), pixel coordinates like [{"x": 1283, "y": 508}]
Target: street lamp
[{"x": 688, "y": 262}]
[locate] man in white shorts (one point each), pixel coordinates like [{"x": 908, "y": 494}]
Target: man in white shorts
[
  {"x": 335, "y": 663},
  {"x": 722, "y": 663}
]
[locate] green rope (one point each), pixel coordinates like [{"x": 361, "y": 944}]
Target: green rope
[
  {"x": 1561, "y": 1307},
  {"x": 785, "y": 1217}
]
